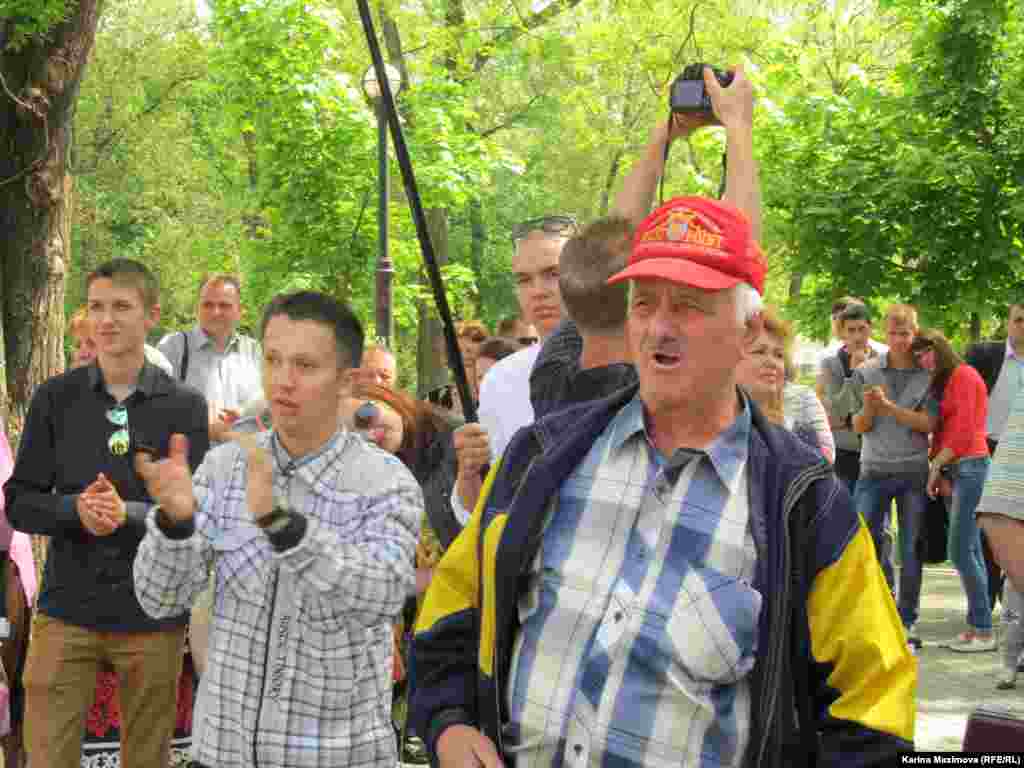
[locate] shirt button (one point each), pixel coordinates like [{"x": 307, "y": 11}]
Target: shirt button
[
  {"x": 618, "y": 617},
  {"x": 578, "y": 749}
]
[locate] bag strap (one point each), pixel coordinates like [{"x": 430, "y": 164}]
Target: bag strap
[{"x": 184, "y": 356}]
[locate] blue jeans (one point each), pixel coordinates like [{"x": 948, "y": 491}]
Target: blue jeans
[
  {"x": 874, "y": 498},
  {"x": 964, "y": 541}
]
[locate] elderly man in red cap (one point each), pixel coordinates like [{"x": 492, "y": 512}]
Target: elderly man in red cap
[{"x": 663, "y": 577}]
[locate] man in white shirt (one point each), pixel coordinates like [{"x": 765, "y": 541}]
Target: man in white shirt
[
  {"x": 214, "y": 358},
  {"x": 1001, "y": 365},
  {"x": 505, "y": 391}
]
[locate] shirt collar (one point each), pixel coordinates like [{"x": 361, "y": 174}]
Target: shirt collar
[
  {"x": 311, "y": 468},
  {"x": 1011, "y": 354},
  {"x": 204, "y": 339},
  {"x": 149, "y": 382},
  {"x": 728, "y": 452}
]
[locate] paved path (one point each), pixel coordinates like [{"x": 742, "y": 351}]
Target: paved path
[{"x": 950, "y": 684}]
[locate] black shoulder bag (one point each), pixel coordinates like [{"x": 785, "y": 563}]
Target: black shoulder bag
[{"x": 184, "y": 356}]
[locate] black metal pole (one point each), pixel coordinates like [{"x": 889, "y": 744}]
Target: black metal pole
[
  {"x": 416, "y": 207},
  {"x": 385, "y": 270}
]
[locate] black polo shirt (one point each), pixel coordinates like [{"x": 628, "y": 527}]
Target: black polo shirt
[{"x": 64, "y": 446}]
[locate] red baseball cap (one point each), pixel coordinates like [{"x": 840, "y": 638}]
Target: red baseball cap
[{"x": 696, "y": 241}]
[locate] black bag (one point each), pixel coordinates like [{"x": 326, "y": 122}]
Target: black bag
[
  {"x": 931, "y": 546},
  {"x": 184, "y": 355}
]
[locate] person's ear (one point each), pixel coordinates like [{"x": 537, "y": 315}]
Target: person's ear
[{"x": 154, "y": 314}]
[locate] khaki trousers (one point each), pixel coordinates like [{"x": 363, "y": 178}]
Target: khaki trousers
[{"x": 60, "y": 682}]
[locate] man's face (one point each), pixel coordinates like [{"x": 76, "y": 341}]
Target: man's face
[
  {"x": 1015, "y": 328},
  {"x": 535, "y": 266},
  {"x": 856, "y": 333},
  {"x": 899, "y": 335},
  {"x": 120, "y": 321},
  {"x": 301, "y": 377},
  {"x": 220, "y": 309},
  {"x": 685, "y": 342},
  {"x": 378, "y": 367}
]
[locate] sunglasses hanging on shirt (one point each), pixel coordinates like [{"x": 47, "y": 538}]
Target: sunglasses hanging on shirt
[{"x": 120, "y": 441}]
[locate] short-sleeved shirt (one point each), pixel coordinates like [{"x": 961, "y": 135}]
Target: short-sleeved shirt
[{"x": 228, "y": 379}]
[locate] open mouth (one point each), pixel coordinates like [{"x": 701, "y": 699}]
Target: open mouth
[{"x": 666, "y": 360}]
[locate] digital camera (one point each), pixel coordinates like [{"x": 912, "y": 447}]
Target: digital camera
[{"x": 688, "y": 93}]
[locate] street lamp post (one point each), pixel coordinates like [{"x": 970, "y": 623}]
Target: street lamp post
[{"x": 385, "y": 270}]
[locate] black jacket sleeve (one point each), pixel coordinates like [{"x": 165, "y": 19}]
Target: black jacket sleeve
[{"x": 31, "y": 505}]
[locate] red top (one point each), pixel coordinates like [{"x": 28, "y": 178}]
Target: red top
[{"x": 963, "y": 412}]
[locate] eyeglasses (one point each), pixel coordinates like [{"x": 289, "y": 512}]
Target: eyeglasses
[
  {"x": 527, "y": 340},
  {"x": 120, "y": 441},
  {"x": 366, "y": 415},
  {"x": 553, "y": 225}
]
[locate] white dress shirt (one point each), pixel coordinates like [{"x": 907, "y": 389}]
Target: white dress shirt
[
  {"x": 1011, "y": 378},
  {"x": 505, "y": 405}
]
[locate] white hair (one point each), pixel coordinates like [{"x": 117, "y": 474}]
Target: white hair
[{"x": 749, "y": 303}]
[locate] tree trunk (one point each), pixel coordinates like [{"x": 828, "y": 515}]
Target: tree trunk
[
  {"x": 431, "y": 358},
  {"x": 796, "y": 284},
  {"x": 38, "y": 95},
  {"x": 975, "y": 327}
]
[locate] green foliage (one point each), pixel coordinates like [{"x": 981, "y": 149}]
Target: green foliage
[
  {"x": 889, "y": 136},
  {"x": 28, "y": 19}
]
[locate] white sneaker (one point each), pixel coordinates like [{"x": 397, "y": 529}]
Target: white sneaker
[{"x": 968, "y": 642}]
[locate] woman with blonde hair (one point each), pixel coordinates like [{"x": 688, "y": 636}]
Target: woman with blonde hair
[{"x": 762, "y": 372}]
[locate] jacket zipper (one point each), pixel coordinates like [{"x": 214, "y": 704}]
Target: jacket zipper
[
  {"x": 266, "y": 667},
  {"x": 796, "y": 489},
  {"x": 498, "y": 630}
]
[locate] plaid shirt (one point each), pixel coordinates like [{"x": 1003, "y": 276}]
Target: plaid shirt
[
  {"x": 300, "y": 656},
  {"x": 640, "y": 626}
]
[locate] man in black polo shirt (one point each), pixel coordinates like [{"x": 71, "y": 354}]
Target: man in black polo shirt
[{"x": 74, "y": 481}]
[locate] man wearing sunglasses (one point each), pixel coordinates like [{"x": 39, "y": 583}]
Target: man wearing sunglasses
[
  {"x": 505, "y": 405},
  {"x": 75, "y": 482},
  {"x": 505, "y": 390},
  {"x": 310, "y": 532}
]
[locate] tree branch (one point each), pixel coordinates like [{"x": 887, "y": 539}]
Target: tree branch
[
  {"x": 530, "y": 22},
  {"x": 511, "y": 119},
  {"x": 115, "y": 135}
]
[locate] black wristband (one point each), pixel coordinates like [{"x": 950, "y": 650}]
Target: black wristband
[{"x": 173, "y": 529}]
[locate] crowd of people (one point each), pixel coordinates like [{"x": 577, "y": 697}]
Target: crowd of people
[{"x": 655, "y": 547}]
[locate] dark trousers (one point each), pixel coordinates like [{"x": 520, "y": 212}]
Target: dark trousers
[
  {"x": 995, "y": 573},
  {"x": 847, "y": 467}
]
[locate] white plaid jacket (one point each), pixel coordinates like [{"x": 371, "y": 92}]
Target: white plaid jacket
[{"x": 300, "y": 658}]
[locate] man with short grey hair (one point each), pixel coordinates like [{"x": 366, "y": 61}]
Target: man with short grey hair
[
  {"x": 662, "y": 576},
  {"x": 214, "y": 358}
]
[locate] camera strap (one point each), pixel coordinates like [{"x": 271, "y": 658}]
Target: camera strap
[{"x": 664, "y": 169}]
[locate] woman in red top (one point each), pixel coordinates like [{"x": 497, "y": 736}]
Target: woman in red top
[{"x": 959, "y": 451}]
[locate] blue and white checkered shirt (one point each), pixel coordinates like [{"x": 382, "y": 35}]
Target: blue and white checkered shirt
[
  {"x": 639, "y": 627},
  {"x": 300, "y": 652}
]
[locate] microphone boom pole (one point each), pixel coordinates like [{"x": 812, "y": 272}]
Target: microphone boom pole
[{"x": 416, "y": 206}]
